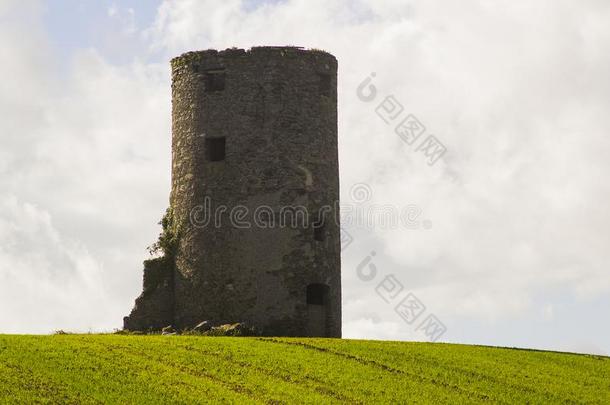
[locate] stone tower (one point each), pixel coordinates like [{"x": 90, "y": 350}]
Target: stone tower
[{"x": 255, "y": 191}]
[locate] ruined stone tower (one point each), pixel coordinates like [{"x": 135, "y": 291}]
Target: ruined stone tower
[{"x": 255, "y": 192}]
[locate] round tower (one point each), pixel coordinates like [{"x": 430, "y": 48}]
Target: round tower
[{"x": 255, "y": 190}]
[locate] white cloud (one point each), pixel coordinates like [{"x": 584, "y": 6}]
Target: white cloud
[
  {"x": 47, "y": 282},
  {"x": 113, "y": 10},
  {"x": 124, "y": 17},
  {"x": 89, "y": 146},
  {"x": 366, "y": 327}
]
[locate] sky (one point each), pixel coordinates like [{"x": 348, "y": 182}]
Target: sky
[{"x": 509, "y": 243}]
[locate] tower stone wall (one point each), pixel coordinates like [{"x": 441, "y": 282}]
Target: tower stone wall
[{"x": 255, "y": 191}]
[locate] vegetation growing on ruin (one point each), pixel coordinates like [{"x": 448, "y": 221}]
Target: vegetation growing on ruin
[
  {"x": 167, "y": 243},
  {"x": 140, "y": 369}
]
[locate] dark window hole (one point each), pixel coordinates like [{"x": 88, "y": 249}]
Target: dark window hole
[
  {"x": 324, "y": 84},
  {"x": 214, "y": 81},
  {"x": 215, "y": 149},
  {"x": 317, "y": 294}
]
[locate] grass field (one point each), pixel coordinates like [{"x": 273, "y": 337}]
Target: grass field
[{"x": 194, "y": 369}]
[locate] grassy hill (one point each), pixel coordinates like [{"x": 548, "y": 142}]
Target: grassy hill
[{"x": 195, "y": 369}]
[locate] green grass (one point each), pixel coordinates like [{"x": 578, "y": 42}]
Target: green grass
[{"x": 134, "y": 369}]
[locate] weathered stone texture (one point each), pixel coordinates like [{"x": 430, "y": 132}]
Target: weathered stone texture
[
  {"x": 154, "y": 308},
  {"x": 277, "y": 113}
]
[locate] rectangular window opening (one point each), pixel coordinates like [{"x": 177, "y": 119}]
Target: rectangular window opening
[
  {"x": 319, "y": 230},
  {"x": 324, "y": 84},
  {"x": 317, "y": 294},
  {"x": 215, "y": 149},
  {"x": 214, "y": 80}
]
